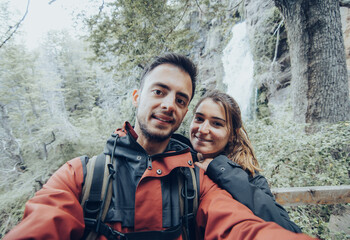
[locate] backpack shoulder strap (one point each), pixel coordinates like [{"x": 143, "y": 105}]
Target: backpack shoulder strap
[
  {"x": 105, "y": 185},
  {"x": 195, "y": 182},
  {"x": 96, "y": 197},
  {"x": 188, "y": 182},
  {"x": 88, "y": 173}
]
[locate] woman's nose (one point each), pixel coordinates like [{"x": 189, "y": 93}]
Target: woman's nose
[{"x": 204, "y": 128}]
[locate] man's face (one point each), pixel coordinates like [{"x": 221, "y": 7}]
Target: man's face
[{"x": 162, "y": 103}]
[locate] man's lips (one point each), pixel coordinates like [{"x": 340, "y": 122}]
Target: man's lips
[{"x": 163, "y": 118}]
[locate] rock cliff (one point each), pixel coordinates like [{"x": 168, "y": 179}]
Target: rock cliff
[{"x": 269, "y": 47}]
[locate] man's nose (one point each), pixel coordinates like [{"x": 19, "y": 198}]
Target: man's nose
[
  {"x": 204, "y": 127},
  {"x": 168, "y": 103}
]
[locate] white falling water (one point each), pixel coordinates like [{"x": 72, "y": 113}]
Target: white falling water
[{"x": 238, "y": 66}]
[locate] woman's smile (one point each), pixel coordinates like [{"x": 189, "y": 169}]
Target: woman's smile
[{"x": 200, "y": 139}]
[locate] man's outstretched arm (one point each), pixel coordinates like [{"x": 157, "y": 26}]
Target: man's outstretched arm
[
  {"x": 54, "y": 212},
  {"x": 219, "y": 216}
]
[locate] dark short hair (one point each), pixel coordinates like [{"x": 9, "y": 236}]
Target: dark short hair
[{"x": 180, "y": 61}]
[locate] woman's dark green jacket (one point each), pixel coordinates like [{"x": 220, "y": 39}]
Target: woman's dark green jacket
[{"x": 254, "y": 192}]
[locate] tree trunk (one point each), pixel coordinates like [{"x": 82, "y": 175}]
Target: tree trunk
[{"x": 319, "y": 74}]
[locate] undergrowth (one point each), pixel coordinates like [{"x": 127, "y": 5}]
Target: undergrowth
[{"x": 292, "y": 158}]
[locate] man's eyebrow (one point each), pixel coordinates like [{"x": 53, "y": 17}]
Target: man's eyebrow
[
  {"x": 182, "y": 94},
  {"x": 216, "y": 118},
  {"x": 161, "y": 85}
]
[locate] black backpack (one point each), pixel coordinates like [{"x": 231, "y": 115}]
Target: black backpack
[{"x": 97, "y": 195}]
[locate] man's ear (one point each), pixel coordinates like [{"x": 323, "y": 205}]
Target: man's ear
[{"x": 135, "y": 97}]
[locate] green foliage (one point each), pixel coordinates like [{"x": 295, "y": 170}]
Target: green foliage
[
  {"x": 20, "y": 93},
  {"x": 129, "y": 33},
  {"x": 12, "y": 207},
  {"x": 78, "y": 79},
  {"x": 292, "y": 158},
  {"x": 314, "y": 219},
  {"x": 262, "y": 110}
]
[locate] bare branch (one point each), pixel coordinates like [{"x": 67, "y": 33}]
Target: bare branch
[
  {"x": 52, "y": 1},
  {"x": 199, "y": 6},
  {"x": 16, "y": 26},
  {"x": 53, "y": 138},
  {"x": 101, "y": 7},
  {"x": 277, "y": 39},
  {"x": 46, "y": 144},
  {"x": 10, "y": 170},
  {"x": 235, "y": 6}
]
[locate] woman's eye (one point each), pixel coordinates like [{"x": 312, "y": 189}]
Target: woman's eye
[
  {"x": 198, "y": 119},
  {"x": 218, "y": 124}
]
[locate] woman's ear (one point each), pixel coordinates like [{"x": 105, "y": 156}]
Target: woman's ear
[{"x": 135, "y": 97}]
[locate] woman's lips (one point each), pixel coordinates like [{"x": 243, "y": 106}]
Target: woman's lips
[{"x": 202, "y": 139}]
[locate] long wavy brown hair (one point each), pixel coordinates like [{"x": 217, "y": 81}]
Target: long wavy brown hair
[{"x": 239, "y": 148}]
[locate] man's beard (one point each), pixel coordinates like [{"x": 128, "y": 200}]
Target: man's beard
[{"x": 153, "y": 136}]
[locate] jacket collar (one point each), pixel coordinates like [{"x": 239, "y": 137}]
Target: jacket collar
[
  {"x": 122, "y": 144},
  {"x": 126, "y": 138}
]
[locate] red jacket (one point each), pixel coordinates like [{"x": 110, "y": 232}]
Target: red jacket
[{"x": 55, "y": 212}]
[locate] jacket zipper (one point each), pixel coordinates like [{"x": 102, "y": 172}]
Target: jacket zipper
[{"x": 149, "y": 163}]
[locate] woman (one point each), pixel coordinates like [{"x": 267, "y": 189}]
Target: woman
[{"x": 228, "y": 158}]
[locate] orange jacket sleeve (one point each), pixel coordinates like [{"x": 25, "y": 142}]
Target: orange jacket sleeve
[
  {"x": 219, "y": 216},
  {"x": 54, "y": 212}
]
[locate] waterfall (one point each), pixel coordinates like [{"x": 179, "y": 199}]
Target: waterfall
[{"x": 238, "y": 67}]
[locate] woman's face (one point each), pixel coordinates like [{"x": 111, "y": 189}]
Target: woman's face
[{"x": 209, "y": 133}]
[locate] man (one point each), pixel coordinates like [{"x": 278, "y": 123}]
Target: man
[{"x": 146, "y": 160}]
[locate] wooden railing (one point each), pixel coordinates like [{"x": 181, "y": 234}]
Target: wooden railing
[{"x": 312, "y": 195}]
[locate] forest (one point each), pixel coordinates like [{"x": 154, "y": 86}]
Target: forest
[{"x": 64, "y": 98}]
